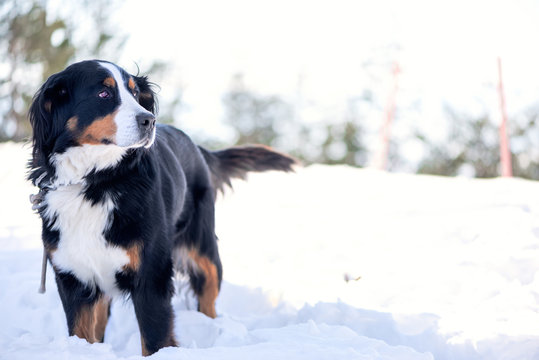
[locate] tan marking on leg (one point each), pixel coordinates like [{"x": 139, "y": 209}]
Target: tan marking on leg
[
  {"x": 145, "y": 351},
  {"x": 92, "y": 321},
  {"x": 85, "y": 324},
  {"x": 72, "y": 123},
  {"x": 133, "y": 252},
  {"x": 131, "y": 83},
  {"x": 210, "y": 290},
  {"x": 84, "y": 327},
  {"x": 170, "y": 341},
  {"x": 102, "y": 129},
  {"x": 110, "y": 82},
  {"x": 102, "y": 317}
]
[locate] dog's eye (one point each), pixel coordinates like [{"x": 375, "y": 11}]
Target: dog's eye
[
  {"x": 135, "y": 93},
  {"x": 104, "y": 94}
]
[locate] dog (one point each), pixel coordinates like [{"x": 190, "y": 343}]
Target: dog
[{"x": 125, "y": 202}]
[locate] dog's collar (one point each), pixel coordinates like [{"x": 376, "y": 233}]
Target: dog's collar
[
  {"x": 44, "y": 185},
  {"x": 44, "y": 188}
]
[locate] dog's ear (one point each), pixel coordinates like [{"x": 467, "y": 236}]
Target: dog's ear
[
  {"x": 147, "y": 98},
  {"x": 47, "y": 102}
]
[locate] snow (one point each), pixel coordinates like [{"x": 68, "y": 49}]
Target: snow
[{"x": 437, "y": 268}]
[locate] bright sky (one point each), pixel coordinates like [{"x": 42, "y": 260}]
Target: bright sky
[{"x": 447, "y": 53}]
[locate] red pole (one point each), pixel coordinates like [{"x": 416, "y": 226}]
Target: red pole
[
  {"x": 385, "y": 132},
  {"x": 505, "y": 151}
]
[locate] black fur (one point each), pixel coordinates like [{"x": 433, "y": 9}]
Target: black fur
[{"x": 163, "y": 195}]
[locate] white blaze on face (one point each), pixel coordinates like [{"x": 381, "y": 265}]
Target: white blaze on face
[{"x": 128, "y": 133}]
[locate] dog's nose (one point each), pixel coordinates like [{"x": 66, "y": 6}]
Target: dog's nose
[{"x": 145, "y": 121}]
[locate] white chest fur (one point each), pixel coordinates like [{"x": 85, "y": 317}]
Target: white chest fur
[{"x": 82, "y": 249}]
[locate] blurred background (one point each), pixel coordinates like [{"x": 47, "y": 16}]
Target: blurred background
[{"x": 406, "y": 86}]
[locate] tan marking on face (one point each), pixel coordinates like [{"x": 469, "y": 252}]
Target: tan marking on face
[
  {"x": 133, "y": 252},
  {"x": 131, "y": 83},
  {"x": 101, "y": 129},
  {"x": 72, "y": 123},
  {"x": 92, "y": 320},
  {"x": 48, "y": 106},
  {"x": 210, "y": 290},
  {"x": 110, "y": 82}
]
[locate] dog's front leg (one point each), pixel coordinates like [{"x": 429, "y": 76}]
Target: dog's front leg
[
  {"x": 152, "y": 294},
  {"x": 87, "y": 310}
]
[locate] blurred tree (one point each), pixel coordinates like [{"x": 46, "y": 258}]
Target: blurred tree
[
  {"x": 268, "y": 119},
  {"x": 26, "y": 40},
  {"x": 343, "y": 143},
  {"x": 34, "y": 44},
  {"x": 473, "y": 146},
  {"x": 524, "y": 131},
  {"x": 472, "y": 143},
  {"x": 255, "y": 118}
]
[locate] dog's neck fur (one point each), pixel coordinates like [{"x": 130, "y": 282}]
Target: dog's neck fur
[{"x": 72, "y": 166}]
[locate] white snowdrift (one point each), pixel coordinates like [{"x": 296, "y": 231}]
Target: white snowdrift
[{"x": 438, "y": 268}]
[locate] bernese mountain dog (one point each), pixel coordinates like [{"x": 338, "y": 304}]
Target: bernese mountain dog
[{"x": 125, "y": 202}]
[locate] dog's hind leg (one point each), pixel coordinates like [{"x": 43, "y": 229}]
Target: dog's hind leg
[
  {"x": 205, "y": 276},
  {"x": 196, "y": 248},
  {"x": 199, "y": 252}
]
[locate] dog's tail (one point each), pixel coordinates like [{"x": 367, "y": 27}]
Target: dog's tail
[{"x": 236, "y": 162}]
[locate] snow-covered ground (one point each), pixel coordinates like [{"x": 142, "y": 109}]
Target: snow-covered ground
[{"x": 437, "y": 268}]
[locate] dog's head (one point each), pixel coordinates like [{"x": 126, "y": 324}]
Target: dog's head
[{"x": 95, "y": 105}]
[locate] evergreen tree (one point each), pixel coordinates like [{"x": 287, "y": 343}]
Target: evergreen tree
[
  {"x": 471, "y": 141},
  {"x": 255, "y": 118},
  {"x": 35, "y": 45}
]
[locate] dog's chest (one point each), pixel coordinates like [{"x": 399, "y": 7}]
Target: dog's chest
[{"x": 82, "y": 249}]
